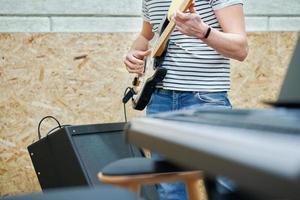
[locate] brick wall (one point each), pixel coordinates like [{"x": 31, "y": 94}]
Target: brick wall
[{"x": 124, "y": 15}]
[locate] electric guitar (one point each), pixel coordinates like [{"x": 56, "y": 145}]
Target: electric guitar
[{"x": 144, "y": 86}]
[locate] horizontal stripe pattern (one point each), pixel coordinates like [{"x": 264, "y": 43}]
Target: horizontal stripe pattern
[{"x": 191, "y": 64}]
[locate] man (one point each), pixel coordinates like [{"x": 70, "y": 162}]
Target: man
[{"x": 197, "y": 58}]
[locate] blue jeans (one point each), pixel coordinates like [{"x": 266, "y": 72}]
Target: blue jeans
[{"x": 168, "y": 100}]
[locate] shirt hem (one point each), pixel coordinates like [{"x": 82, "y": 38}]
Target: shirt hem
[{"x": 193, "y": 90}]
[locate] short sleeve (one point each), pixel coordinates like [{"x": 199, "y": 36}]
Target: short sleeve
[
  {"x": 145, "y": 12},
  {"x": 219, "y": 4}
]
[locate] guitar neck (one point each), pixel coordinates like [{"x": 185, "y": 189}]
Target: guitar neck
[{"x": 161, "y": 45}]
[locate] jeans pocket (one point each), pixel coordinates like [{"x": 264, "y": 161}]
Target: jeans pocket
[{"x": 213, "y": 98}]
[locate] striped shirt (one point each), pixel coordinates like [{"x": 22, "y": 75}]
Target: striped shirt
[{"x": 192, "y": 65}]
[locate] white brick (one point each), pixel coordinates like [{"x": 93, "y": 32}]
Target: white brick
[
  {"x": 128, "y": 7},
  {"x": 284, "y": 24},
  {"x": 256, "y": 24},
  {"x": 123, "y": 15},
  {"x": 272, "y": 7},
  {"x": 96, "y": 24},
  {"x": 70, "y": 7},
  {"x": 24, "y": 24}
]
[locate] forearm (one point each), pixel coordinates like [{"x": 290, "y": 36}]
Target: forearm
[
  {"x": 141, "y": 43},
  {"x": 231, "y": 42},
  {"x": 231, "y": 45},
  {"x": 134, "y": 60}
]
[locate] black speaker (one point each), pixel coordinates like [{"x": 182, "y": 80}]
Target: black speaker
[{"x": 73, "y": 155}]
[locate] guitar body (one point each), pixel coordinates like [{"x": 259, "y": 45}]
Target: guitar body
[
  {"x": 142, "y": 100},
  {"x": 153, "y": 74},
  {"x": 145, "y": 85}
]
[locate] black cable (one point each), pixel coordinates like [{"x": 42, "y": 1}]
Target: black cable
[
  {"x": 62, "y": 126},
  {"x": 53, "y": 130},
  {"x": 124, "y": 103},
  {"x": 126, "y": 97},
  {"x": 39, "y": 126},
  {"x": 128, "y": 94}
]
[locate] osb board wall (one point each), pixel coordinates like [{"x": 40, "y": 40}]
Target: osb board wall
[
  {"x": 259, "y": 77},
  {"x": 80, "y": 79}
]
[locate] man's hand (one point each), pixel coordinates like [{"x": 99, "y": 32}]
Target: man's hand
[
  {"x": 134, "y": 61},
  {"x": 190, "y": 23}
]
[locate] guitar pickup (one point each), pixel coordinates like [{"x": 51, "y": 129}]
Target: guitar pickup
[{"x": 136, "y": 81}]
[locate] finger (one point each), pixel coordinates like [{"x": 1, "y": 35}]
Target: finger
[
  {"x": 174, "y": 16},
  {"x": 179, "y": 23},
  {"x": 181, "y": 16},
  {"x": 131, "y": 66},
  {"x": 134, "y": 60},
  {"x": 142, "y": 53},
  {"x": 136, "y": 71},
  {"x": 192, "y": 8}
]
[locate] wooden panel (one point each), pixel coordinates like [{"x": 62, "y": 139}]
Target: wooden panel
[
  {"x": 259, "y": 77},
  {"x": 80, "y": 79}
]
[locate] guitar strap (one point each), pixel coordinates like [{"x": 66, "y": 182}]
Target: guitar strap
[{"x": 159, "y": 59}]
